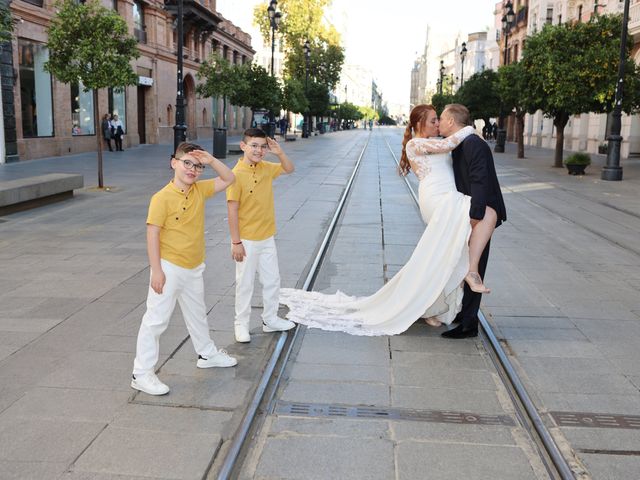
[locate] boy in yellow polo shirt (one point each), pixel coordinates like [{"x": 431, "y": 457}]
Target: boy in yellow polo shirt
[
  {"x": 252, "y": 224},
  {"x": 175, "y": 245}
]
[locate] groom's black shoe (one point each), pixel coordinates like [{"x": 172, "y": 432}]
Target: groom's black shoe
[{"x": 460, "y": 332}]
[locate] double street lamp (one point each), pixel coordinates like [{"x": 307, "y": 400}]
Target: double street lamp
[
  {"x": 305, "y": 122},
  {"x": 612, "y": 170},
  {"x": 274, "y": 21},
  {"x": 463, "y": 55},
  {"x": 441, "y": 76},
  {"x": 508, "y": 20}
]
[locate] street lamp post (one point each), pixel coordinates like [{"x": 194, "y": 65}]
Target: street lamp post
[
  {"x": 612, "y": 170},
  {"x": 307, "y": 53},
  {"x": 179, "y": 129},
  {"x": 463, "y": 55},
  {"x": 441, "y": 76},
  {"x": 274, "y": 20},
  {"x": 507, "y": 23}
]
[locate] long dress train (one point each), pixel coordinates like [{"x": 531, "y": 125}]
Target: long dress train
[{"x": 430, "y": 283}]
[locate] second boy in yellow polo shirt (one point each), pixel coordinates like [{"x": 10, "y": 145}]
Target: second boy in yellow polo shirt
[{"x": 253, "y": 225}]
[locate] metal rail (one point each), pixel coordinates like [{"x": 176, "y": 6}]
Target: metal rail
[
  {"x": 250, "y": 415},
  {"x": 560, "y": 463}
]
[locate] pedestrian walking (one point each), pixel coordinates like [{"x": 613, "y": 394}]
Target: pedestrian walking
[
  {"x": 252, "y": 225},
  {"x": 175, "y": 245}
]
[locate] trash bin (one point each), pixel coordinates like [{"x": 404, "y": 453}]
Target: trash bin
[
  {"x": 322, "y": 127},
  {"x": 220, "y": 143}
]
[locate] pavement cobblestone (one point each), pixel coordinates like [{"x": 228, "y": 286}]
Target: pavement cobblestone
[{"x": 563, "y": 269}]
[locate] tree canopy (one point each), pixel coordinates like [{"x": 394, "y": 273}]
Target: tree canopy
[
  {"x": 573, "y": 69},
  {"x": 480, "y": 95},
  {"x": 6, "y": 23},
  {"x": 257, "y": 89},
  {"x": 221, "y": 79},
  {"x": 90, "y": 45}
]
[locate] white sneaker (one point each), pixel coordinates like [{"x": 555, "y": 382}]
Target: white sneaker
[
  {"x": 277, "y": 325},
  {"x": 149, "y": 383},
  {"x": 218, "y": 359},
  {"x": 242, "y": 334}
]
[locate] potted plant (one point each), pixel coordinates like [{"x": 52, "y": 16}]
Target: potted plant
[
  {"x": 577, "y": 162},
  {"x": 603, "y": 148}
]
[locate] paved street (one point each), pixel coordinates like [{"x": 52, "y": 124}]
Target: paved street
[{"x": 563, "y": 270}]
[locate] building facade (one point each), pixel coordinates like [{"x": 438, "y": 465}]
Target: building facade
[{"x": 51, "y": 118}]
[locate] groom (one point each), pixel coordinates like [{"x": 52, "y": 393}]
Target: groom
[{"x": 475, "y": 176}]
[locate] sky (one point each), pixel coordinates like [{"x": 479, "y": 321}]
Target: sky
[{"x": 387, "y": 36}]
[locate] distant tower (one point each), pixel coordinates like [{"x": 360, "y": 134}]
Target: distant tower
[{"x": 418, "y": 92}]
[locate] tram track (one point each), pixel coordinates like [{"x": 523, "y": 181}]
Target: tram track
[
  {"x": 268, "y": 384},
  {"x": 263, "y": 399},
  {"x": 528, "y": 415}
]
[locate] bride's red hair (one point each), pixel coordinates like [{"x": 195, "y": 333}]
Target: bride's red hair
[{"x": 417, "y": 118}]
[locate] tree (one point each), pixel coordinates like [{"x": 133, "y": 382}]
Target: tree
[
  {"x": 257, "y": 89},
  {"x": 293, "y": 98},
  {"x": 513, "y": 89},
  {"x": 573, "y": 69},
  {"x": 439, "y": 101},
  {"x": 325, "y": 63},
  {"x": 318, "y": 96},
  {"x": 6, "y": 23},
  {"x": 221, "y": 79},
  {"x": 89, "y": 45},
  {"x": 480, "y": 95},
  {"x": 304, "y": 20}
]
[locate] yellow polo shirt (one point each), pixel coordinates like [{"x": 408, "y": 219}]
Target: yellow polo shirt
[
  {"x": 253, "y": 189},
  {"x": 180, "y": 215}
]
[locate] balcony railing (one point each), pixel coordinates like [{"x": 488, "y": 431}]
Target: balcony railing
[{"x": 634, "y": 19}]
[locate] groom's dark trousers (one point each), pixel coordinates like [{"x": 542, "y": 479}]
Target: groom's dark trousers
[
  {"x": 468, "y": 315},
  {"x": 475, "y": 175}
]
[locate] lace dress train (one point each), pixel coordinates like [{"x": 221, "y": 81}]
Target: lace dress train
[{"x": 429, "y": 284}]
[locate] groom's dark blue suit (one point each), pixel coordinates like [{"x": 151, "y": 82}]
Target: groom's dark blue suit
[{"x": 475, "y": 175}]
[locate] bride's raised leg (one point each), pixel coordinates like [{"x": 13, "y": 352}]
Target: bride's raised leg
[{"x": 480, "y": 236}]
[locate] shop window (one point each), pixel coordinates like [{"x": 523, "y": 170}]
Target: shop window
[
  {"x": 117, "y": 105},
  {"x": 35, "y": 90},
  {"x": 81, "y": 111}
]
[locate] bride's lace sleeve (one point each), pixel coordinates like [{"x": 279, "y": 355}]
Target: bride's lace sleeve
[{"x": 426, "y": 146}]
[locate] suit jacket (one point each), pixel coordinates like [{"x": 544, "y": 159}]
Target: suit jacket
[{"x": 475, "y": 176}]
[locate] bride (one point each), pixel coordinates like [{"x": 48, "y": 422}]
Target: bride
[{"x": 430, "y": 284}]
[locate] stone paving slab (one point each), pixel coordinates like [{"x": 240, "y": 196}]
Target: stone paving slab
[
  {"x": 149, "y": 453},
  {"x": 455, "y": 461}
]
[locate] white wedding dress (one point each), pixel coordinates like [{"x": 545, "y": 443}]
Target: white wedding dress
[{"x": 430, "y": 284}]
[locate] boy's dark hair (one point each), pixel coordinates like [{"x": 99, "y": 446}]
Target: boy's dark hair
[
  {"x": 186, "y": 147},
  {"x": 253, "y": 133}
]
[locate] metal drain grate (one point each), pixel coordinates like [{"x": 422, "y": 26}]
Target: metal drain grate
[
  {"x": 595, "y": 420},
  {"x": 432, "y": 416}
]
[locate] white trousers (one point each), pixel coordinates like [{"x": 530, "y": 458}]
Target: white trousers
[
  {"x": 263, "y": 258},
  {"x": 187, "y": 287}
]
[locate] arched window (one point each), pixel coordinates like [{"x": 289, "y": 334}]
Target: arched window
[
  {"x": 169, "y": 114},
  {"x": 204, "y": 117}
]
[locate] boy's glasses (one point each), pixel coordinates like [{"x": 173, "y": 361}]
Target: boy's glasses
[
  {"x": 256, "y": 146},
  {"x": 189, "y": 165}
]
